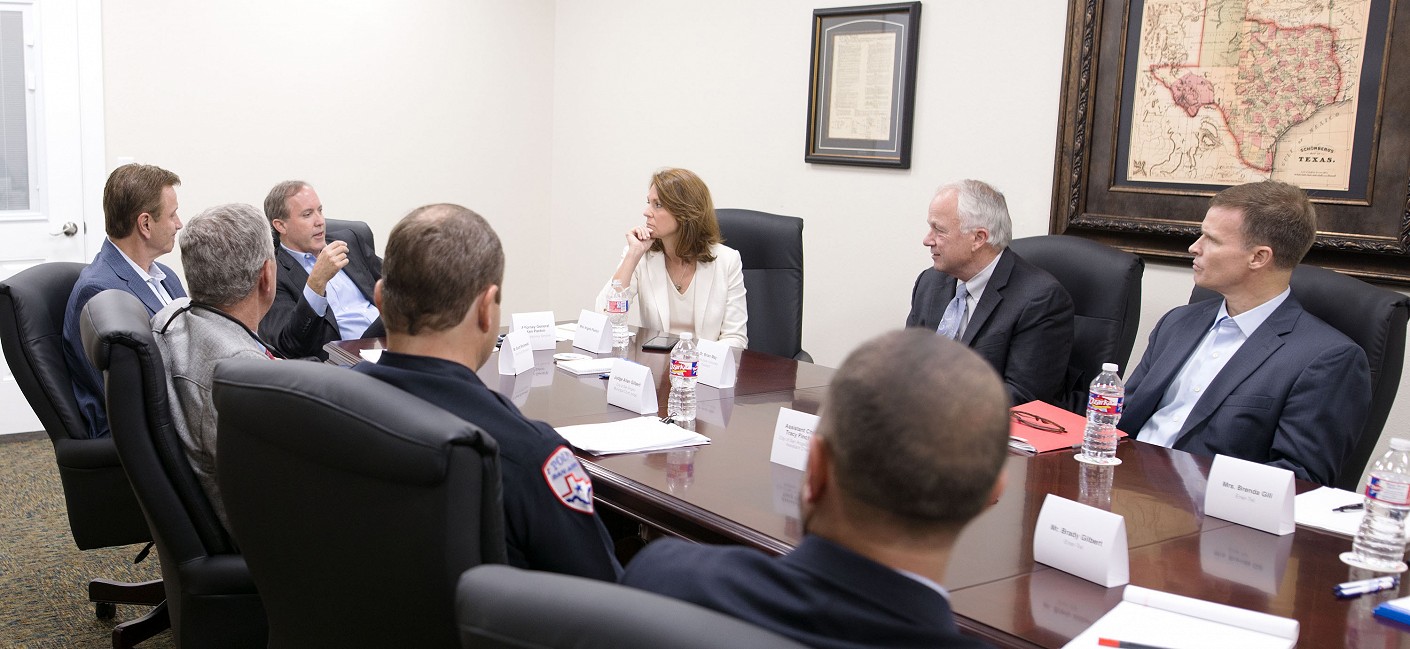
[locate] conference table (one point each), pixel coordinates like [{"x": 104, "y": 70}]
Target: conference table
[{"x": 729, "y": 492}]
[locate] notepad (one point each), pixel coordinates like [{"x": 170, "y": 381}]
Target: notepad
[
  {"x": 1161, "y": 619},
  {"x": 1395, "y": 609},
  {"x": 630, "y": 436},
  {"x": 1317, "y": 508}
]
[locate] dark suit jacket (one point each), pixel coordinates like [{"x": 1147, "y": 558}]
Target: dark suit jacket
[
  {"x": 108, "y": 270},
  {"x": 542, "y": 532},
  {"x": 820, "y": 594},
  {"x": 1022, "y": 324},
  {"x": 291, "y": 325},
  {"x": 1295, "y": 395}
]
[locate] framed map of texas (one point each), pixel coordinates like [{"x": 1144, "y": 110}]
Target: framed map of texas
[{"x": 1165, "y": 102}]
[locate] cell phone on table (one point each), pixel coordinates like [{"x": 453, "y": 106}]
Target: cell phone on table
[{"x": 661, "y": 343}]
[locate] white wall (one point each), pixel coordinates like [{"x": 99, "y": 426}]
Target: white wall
[
  {"x": 721, "y": 88},
  {"x": 382, "y": 106},
  {"x": 548, "y": 118}
]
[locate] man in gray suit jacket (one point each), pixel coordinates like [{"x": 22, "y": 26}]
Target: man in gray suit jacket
[
  {"x": 229, "y": 260},
  {"x": 1013, "y": 314},
  {"x": 139, "y": 216},
  {"x": 1252, "y": 375},
  {"x": 326, "y": 276}
]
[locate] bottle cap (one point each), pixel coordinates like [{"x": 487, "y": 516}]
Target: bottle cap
[
  {"x": 686, "y": 335},
  {"x": 1108, "y": 367},
  {"x": 1400, "y": 443}
]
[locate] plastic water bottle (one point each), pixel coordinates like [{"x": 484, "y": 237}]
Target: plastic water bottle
[
  {"x": 1380, "y": 541},
  {"x": 617, "y": 307},
  {"x": 684, "y": 361},
  {"x": 1104, "y": 401}
]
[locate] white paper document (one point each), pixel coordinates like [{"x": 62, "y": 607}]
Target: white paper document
[
  {"x": 630, "y": 436},
  {"x": 1317, "y": 508},
  {"x": 565, "y": 331},
  {"x": 1161, "y": 619},
  {"x": 588, "y": 366}
]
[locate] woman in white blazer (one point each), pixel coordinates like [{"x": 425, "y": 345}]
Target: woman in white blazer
[{"x": 677, "y": 274}]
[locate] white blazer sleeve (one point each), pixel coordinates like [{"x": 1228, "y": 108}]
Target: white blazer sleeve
[{"x": 734, "y": 329}]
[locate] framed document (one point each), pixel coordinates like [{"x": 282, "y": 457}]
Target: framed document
[
  {"x": 861, "y": 86},
  {"x": 1166, "y": 102}
]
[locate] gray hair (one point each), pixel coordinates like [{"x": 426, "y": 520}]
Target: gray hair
[
  {"x": 276, "y": 203},
  {"x": 982, "y": 206},
  {"x": 223, "y": 250}
]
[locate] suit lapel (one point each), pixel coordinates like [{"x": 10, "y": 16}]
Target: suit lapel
[
  {"x": 1265, "y": 340},
  {"x": 991, "y": 298},
  {"x": 300, "y": 278},
  {"x": 943, "y": 294},
  {"x": 135, "y": 284},
  {"x": 356, "y": 269},
  {"x": 704, "y": 282}
]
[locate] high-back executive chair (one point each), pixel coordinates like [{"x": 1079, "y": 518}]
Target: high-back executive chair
[
  {"x": 1105, "y": 285},
  {"x": 210, "y": 597},
  {"x": 357, "y": 505},
  {"x": 102, "y": 509},
  {"x": 1373, "y": 318},
  {"x": 500, "y": 607},
  {"x": 771, "y": 248}
]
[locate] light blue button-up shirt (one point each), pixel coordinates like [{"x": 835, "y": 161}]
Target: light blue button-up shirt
[
  {"x": 153, "y": 277},
  {"x": 1220, "y": 343},
  {"x": 353, "y": 311}
]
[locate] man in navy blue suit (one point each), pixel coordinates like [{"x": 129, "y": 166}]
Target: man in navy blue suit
[
  {"x": 1252, "y": 375},
  {"x": 139, "y": 215},
  {"x": 911, "y": 447}
]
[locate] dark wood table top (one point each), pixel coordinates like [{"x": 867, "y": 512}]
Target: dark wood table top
[{"x": 729, "y": 492}]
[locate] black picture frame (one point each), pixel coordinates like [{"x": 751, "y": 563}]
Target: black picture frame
[
  {"x": 844, "y": 40},
  {"x": 1363, "y": 231}
]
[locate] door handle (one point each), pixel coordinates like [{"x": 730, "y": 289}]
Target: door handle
[{"x": 69, "y": 229}]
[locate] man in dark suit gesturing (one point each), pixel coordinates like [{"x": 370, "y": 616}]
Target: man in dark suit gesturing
[
  {"x": 1251, "y": 375},
  {"x": 910, "y": 448},
  {"x": 325, "y": 276},
  {"x": 1014, "y": 314},
  {"x": 139, "y": 216}
]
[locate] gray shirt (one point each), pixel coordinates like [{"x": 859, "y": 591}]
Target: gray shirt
[{"x": 193, "y": 343}]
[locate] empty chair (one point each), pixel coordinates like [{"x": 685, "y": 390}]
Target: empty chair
[
  {"x": 1105, "y": 285},
  {"x": 101, "y": 507},
  {"x": 357, "y": 506},
  {"x": 771, "y": 248},
  {"x": 499, "y": 607},
  {"x": 210, "y": 597},
  {"x": 1373, "y": 318}
]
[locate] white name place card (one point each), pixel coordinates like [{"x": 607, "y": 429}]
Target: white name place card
[
  {"x": 717, "y": 368},
  {"x": 516, "y": 353},
  {"x": 593, "y": 333},
  {"x": 1250, "y": 494},
  {"x": 792, "y": 435},
  {"x": 539, "y": 326},
  {"x": 631, "y": 386},
  {"x": 1083, "y": 541}
]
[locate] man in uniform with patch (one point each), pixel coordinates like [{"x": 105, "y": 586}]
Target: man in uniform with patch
[{"x": 439, "y": 298}]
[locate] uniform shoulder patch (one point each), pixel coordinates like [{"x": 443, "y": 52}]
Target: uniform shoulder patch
[{"x": 568, "y": 480}]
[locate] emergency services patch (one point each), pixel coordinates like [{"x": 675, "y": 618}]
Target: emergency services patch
[{"x": 568, "y": 480}]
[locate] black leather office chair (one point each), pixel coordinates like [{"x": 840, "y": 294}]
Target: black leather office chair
[
  {"x": 1375, "y": 319},
  {"x": 499, "y": 607},
  {"x": 357, "y": 505},
  {"x": 771, "y": 247},
  {"x": 210, "y": 598},
  {"x": 1105, "y": 285},
  {"x": 102, "y": 509}
]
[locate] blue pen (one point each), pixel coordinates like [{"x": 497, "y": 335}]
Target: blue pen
[
  {"x": 1366, "y": 586},
  {"x": 604, "y": 376}
]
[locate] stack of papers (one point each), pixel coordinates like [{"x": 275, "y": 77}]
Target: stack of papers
[
  {"x": 1151, "y": 617},
  {"x": 588, "y": 365},
  {"x": 630, "y": 436},
  {"x": 564, "y": 331},
  {"x": 1026, "y": 438}
]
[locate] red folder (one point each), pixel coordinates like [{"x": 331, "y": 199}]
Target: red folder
[{"x": 1043, "y": 441}]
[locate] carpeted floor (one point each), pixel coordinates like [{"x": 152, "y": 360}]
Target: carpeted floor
[{"x": 43, "y": 575}]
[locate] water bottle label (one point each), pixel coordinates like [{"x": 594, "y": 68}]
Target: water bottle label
[
  {"x": 1105, "y": 404},
  {"x": 1387, "y": 491},
  {"x": 617, "y": 306},
  {"x": 683, "y": 369}
]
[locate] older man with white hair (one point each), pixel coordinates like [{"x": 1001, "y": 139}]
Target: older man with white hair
[
  {"x": 230, "y": 273},
  {"x": 1014, "y": 314}
]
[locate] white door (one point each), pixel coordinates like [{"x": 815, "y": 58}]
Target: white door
[{"x": 51, "y": 119}]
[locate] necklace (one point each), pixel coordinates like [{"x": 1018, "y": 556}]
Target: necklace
[{"x": 670, "y": 272}]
